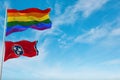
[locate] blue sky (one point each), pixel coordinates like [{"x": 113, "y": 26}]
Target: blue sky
[{"x": 83, "y": 43}]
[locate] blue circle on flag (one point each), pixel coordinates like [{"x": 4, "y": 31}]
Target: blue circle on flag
[{"x": 18, "y": 50}]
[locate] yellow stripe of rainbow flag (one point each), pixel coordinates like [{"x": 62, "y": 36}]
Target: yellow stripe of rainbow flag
[{"x": 27, "y": 18}]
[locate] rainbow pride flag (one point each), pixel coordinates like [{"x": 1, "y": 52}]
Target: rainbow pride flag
[{"x": 20, "y": 20}]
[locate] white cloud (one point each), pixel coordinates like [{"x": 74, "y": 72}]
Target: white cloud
[
  {"x": 43, "y": 49},
  {"x": 70, "y": 15},
  {"x": 88, "y": 6},
  {"x": 106, "y": 31},
  {"x": 65, "y": 41},
  {"x": 92, "y": 35},
  {"x": 112, "y": 62},
  {"x": 115, "y": 32}
]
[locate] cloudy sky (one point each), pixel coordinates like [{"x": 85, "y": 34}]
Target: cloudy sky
[{"x": 83, "y": 43}]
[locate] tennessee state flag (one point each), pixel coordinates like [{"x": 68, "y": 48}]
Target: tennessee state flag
[{"x": 20, "y": 48}]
